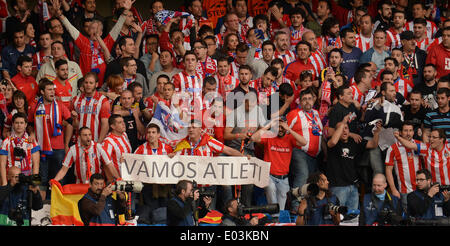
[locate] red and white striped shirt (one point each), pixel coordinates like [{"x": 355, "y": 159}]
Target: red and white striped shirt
[
  {"x": 393, "y": 39},
  {"x": 207, "y": 68},
  {"x": 431, "y": 28},
  {"x": 146, "y": 149},
  {"x": 309, "y": 125},
  {"x": 264, "y": 93},
  {"x": 77, "y": 155},
  {"x": 438, "y": 162},
  {"x": 7, "y": 148},
  {"x": 234, "y": 71},
  {"x": 115, "y": 146},
  {"x": 191, "y": 84},
  {"x": 318, "y": 61},
  {"x": 406, "y": 163},
  {"x": 206, "y": 146},
  {"x": 226, "y": 83},
  {"x": 357, "y": 94},
  {"x": 90, "y": 111},
  {"x": 403, "y": 86},
  {"x": 287, "y": 58},
  {"x": 424, "y": 44},
  {"x": 363, "y": 43}
]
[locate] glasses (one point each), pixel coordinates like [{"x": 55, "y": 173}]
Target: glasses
[
  {"x": 421, "y": 180},
  {"x": 199, "y": 47}
]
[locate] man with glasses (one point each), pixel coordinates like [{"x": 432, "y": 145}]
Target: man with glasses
[
  {"x": 206, "y": 66},
  {"x": 427, "y": 202}
]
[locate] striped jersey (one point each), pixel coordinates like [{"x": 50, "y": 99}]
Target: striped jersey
[
  {"x": 357, "y": 94},
  {"x": 287, "y": 58},
  {"x": 403, "y": 86},
  {"x": 438, "y": 120},
  {"x": 226, "y": 83},
  {"x": 424, "y": 44},
  {"x": 77, "y": 155},
  {"x": 406, "y": 163},
  {"x": 438, "y": 162},
  {"x": 115, "y": 146},
  {"x": 393, "y": 39},
  {"x": 318, "y": 61},
  {"x": 146, "y": 149},
  {"x": 206, "y": 146},
  {"x": 25, "y": 164},
  {"x": 363, "y": 43},
  {"x": 431, "y": 28},
  {"x": 309, "y": 125},
  {"x": 90, "y": 111}
]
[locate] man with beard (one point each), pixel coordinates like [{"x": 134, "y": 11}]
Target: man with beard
[
  {"x": 393, "y": 33},
  {"x": 350, "y": 53},
  {"x": 384, "y": 18},
  {"x": 440, "y": 117},
  {"x": 97, "y": 207},
  {"x": 282, "y": 45},
  {"x": 429, "y": 88},
  {"x": 415, "y": 112}
]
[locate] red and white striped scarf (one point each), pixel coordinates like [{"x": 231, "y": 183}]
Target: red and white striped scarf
[{"x": 43, "y": 130}]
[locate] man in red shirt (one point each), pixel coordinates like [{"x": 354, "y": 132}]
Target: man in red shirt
[
  {"x": 293, "y": 69},
  {"x": 278, "y": 151},
  {"x": 23, "y": 80},
  {"x": 439, "y": 55},
  {"x": 63, "y": 88},
  {"x": 52, "y": 129}
]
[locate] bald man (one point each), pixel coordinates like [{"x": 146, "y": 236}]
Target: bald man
[{"x": 377, "y": 201}]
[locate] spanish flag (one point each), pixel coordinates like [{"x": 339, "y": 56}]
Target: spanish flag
[
  {"x": 212, "y": 217},
  {"x": 64, "y": 203}
]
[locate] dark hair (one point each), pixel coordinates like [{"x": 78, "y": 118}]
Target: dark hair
[
  {"x": 189, "y": 52},
  {"x": 60, "y": 62},
  {"x": 134, "y": 85},
  {"x": 20, "y": 115},
  {"x": 163, "y": 76},
  {"x": 261, "y": 17},
  {"x": 245, "y": 67},
  {"x": 441, "y": 133},
  {"x": 204, "y": 29},
  {"x": 112, "y": 120},
  {"x": 242, "y": 47},
  {"x": 97, "y": 176},
  {"x": 272, "y": 71},
  {"x": 360, "y": 74},
  {"x": 286, "y": 89},
  {"x": 19, "y": 94},
  {"x": 406, "y": 123},
  {"x": 268, "y": 42},
  {"x": 443, "y": 90},
  {"x": 181, "y": 185},
  {"x": 124, "y": 62},
  {"x": 384, "y": 86},
  {"x": 23, "y": 59},
  {"x": 327, "y": 25},
  {"x": 304, "y": 43},
  {"x": 430, "y": 65},
  {"x": 277, "y": 61},
  {"x": 392, "y": 59},
  {"x": 297, "y": 11},
  {"x": 344, "y": 32},
  {"x": 420, "y": 21},
  {"x": 44, "y": 82},
  {"x": 385, "y": 72},
  {"x": 123, "y": 41},
  {"x": 340, "y": 90},
  {"x": 337, "y": 50},
  {"x": 209, "y": 80},
  {"x": 306, "y": 92},
  {"x": 227, "y": 205},
  {"x": 425, "y": 172},
  {"x": 153, "y": 125}
]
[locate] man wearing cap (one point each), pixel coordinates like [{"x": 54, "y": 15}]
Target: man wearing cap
[{"x": 414, "y": 58}]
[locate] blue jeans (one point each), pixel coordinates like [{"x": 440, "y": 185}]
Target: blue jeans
[
  {"x": 302, "y": 165},
  {"x": 276, "y": 191},
  {"x": 50, "y": 166},
  {"x": 348, "y": 196}
]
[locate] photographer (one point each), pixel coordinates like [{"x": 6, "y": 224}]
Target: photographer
[
  {"x": 380, "y": 207},
  {"x": 15, "y": 199},
  {"x": 98, "y": 207},
  {"x": 181, "y": 209},
  {"x": 427, "y": 201},
  {"x": 320, "y": 206},
  {"x": 233, "y": 218}
]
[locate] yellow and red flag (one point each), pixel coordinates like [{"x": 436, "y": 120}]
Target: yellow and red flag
[{"x": 64, "y": 203}]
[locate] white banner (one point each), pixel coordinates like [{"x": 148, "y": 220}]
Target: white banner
[{"x": 160, "y": 169}]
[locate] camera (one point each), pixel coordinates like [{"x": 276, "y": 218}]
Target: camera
[
  {"x": 202, "y": 191},
  {"x": 19, "y": 153},
  {"x": 336, "y": 209},
  {"x": 268, "y": 209},
  {"x": 442, "y": 187},
  {"x": 127, "y": 186},
  {"x": 33, "y": 179},
  {"x": 17, "y": 214},
  {"x": 389, "y": 217}
]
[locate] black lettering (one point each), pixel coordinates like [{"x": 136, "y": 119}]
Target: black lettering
[
  {"x": 143, "y": 169},
  {"x": 191, "y": 169},
  {"x": 243, "y": 170},
  {"x": 232, "y": 167},
  {"x": 223, "y": 168},
  {"x": 254, "y": 169},
  {"x": 173, "y": 169},
  {"x": 165, "y": 166},
  {"x": 210, "y": 166}
]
